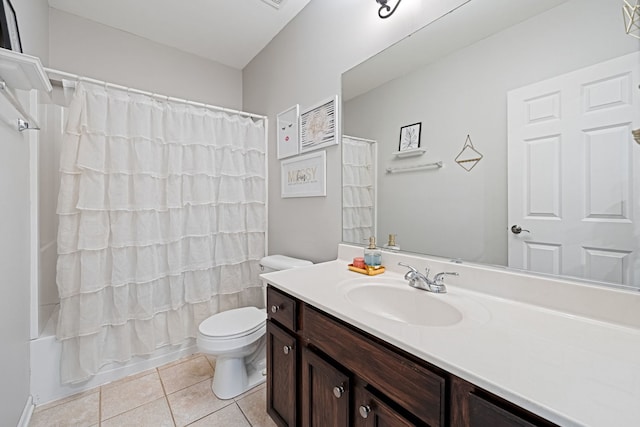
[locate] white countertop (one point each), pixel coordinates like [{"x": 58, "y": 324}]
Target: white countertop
[{"x": 569, "y": 369}]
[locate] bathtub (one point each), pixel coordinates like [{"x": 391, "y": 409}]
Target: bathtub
[{"x": 45, "y": 365}]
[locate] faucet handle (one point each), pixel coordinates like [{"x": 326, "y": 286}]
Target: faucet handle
[
  {"x": 411, "y": 274},
  {"x": 410, "y": 267},
  {"x": 439, "y": 278}
]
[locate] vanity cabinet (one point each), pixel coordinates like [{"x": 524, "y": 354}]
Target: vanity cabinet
[{"x": 322, "y": 372}]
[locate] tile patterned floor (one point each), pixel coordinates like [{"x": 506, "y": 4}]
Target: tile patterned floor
[{"x": 174, "y": 395}]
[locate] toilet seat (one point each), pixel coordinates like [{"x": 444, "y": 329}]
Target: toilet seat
[{"x": 236, "y": 323}]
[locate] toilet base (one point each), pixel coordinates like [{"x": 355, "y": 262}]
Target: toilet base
[{"x": 233, "y": 377}]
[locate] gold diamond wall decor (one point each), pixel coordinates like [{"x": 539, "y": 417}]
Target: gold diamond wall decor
[
  {"x": 632, "y": 18},
  {"x": 468, "y": 157}
]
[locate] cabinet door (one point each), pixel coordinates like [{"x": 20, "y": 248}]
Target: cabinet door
[
  {"x": 325, "y": 393},
  {"x": 369, "y": 411},
  {"x": 281, "y": 376}
]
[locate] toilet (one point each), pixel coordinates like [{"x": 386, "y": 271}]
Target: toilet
[{"x": 237, "y": 338}]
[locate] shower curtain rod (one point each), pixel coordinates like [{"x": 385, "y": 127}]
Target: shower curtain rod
[
  {"x": 56, "y": 77},
  {"x": 355, "y": 138}
]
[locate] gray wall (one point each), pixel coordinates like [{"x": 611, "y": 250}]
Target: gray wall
[
  {"x": 454, "y": 213},
  {"x": 14, "y": 228},
  {"x": 84, "y": 47},
  {"x": 303, "y": 64}
]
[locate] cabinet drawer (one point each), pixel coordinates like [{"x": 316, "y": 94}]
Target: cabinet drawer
[
  {"x": 417, "y": 389},
  {"x": 282, "y": 308}
]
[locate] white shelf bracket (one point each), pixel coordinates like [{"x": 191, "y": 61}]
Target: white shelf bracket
[{"x": 26, "y": 122}]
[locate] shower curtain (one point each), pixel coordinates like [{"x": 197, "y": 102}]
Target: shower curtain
[
  {"x": 162, "y": 222},
  {"x": 358, "y": 189}
]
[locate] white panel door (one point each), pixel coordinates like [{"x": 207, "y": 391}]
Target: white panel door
[{"x": 574, "y": 173}]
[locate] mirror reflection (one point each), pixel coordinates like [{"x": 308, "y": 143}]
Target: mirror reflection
[{"x": 546, "y": 92}]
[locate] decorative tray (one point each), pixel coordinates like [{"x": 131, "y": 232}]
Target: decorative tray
[{"x": 368, "y": 270}]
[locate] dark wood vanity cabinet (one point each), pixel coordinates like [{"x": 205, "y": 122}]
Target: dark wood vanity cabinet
[{"x": 323, "y": 372}]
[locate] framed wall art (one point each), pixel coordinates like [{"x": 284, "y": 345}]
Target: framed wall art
[
  {"x": 287, "y": 123},
  {"x": 9, "y": 33},
  {"x": 319, "y": 125},
  {"x": 304, "y": 176},
  {"x": 410, "y": 137}
]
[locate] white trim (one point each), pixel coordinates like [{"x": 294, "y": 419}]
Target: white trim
[
  {"x": 266, "y": 183},
  {"x": 25, "y": 418},
  {"x": 34, "y": 233}
]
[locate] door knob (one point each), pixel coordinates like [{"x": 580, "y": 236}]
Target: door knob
[
  {"x": 338, "y": 391},
  {"x": 286, "y": 349},
  {"x": 516, "y": 229},
  {"x": 364, "y": 410},
  {"x": 275, "y": 308}
]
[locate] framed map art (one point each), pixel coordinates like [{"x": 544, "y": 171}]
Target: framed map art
[{"x": 319, "y": 125}]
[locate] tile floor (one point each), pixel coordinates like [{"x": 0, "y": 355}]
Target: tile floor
[{"x": 177, "y": 394}]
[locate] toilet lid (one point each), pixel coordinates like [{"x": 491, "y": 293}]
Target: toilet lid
[{"x": 232, "y": 323}]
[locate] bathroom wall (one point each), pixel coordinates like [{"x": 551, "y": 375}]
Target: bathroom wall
[
  {"x": 32, "y": 18},
  {"x": 303, "y": 64},
  {"x": 84, "y": 47}
]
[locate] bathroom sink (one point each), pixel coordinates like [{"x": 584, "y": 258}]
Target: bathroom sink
[{"x": 396, "y": 300}]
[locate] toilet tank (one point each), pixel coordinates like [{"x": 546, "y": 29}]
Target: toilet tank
[{"x": 281, "y": 262}]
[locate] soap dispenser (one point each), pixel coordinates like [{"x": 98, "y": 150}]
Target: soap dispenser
[
  {"x": 372, "y": 254},
  {"x": 391, "y": 245}
]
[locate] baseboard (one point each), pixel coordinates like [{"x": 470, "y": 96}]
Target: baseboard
[{"x": 25, "y": 418}]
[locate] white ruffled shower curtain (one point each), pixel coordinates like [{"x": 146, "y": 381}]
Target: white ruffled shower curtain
[
  {"x": 162, "y": 222},
  {"x": 358, "y": 189}
]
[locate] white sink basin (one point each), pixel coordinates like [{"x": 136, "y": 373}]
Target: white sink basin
[{"x": 395, "y": 300}]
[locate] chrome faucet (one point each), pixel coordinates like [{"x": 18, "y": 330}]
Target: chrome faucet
[{"x": 421, "y": 281}]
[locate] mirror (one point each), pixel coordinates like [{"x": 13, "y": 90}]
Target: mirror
[{"x": 546, "y": 91}]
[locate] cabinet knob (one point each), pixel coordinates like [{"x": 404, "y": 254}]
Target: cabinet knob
[
  {"x": 338, "y": 391},
  {"x": 275, "y": 308},
  {"x": 286, "y": 349},
  {"x": 364, "y": 410}
]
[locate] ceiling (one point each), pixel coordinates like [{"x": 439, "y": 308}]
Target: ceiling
[{"x": 231, "y": 32}]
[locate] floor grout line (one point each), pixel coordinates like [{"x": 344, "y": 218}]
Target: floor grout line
[
  {"x": 244, "y": 415},
  {"x": 166, "y": 397}
]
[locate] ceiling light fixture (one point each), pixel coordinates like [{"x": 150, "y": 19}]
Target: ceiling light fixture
[{"x": 385, "y": 10}]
